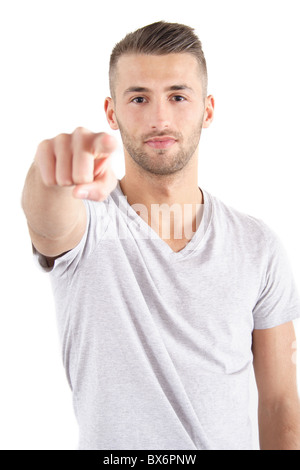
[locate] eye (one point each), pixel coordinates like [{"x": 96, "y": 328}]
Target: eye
[
  {"x": 178, "y": 98},
  {"x": 138, "y": 100}
]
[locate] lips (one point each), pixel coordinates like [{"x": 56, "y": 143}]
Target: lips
[{"x": 161, "y": 142}]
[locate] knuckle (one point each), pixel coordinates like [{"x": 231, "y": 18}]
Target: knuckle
[
  {"x": 62, "y": 138},
  {"x": 79, "y": 132},
  {"x": 78, "y": 137},
  {"x": 79, "y": 129},
  {"x": 43, "y": 147},
  {"x": 43, "y": 154}
]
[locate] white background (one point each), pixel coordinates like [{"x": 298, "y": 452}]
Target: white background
[{"x": 54, "y": 68}]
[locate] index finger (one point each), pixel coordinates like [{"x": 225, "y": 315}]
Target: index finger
[
  {"x": 87, "y": 147},
  {"x": 104, "y": 144}
]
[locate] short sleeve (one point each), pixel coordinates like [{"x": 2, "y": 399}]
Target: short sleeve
[
  {"x": 279, "y": 300},
  {"x": 97, "y": 221}
]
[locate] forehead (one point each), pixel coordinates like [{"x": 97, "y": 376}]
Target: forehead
[{"x": 151, "y": 70}]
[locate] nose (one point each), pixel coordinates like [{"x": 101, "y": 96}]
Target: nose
[{"x": 160, "y": 118}]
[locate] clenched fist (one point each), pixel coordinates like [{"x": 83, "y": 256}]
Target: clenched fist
[{"x": 80, "y": 159}]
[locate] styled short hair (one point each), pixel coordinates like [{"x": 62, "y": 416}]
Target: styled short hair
[{"x": 159, "y": 38}]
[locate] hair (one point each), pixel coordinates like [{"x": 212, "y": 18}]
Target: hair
[{"x": 159, "y": 38}]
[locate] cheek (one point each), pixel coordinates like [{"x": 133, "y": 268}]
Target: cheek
[
  {"x": 187, "y": 113},
  {"x": 132, "y": 119},
  {"x": 194, "y": 114},
  {"x": 129, "y": 129}
]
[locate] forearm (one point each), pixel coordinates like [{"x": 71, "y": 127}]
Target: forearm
[
  {"x": 51, "y": 212},
  {"x": 279, "y": 426}
]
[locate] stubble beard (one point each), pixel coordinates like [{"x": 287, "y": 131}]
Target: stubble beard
[{"x": 173, "y": 162}]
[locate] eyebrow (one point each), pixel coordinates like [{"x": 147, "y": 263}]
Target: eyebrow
[{"x": 139, "y": 89}]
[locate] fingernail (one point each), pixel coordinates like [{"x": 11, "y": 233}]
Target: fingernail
[{"x": 108, "y": 140}]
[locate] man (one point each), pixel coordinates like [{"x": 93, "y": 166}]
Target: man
[{"x": 165, "y": 296}]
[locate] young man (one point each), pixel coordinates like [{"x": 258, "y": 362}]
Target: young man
[{"x": 165, "y": 296}]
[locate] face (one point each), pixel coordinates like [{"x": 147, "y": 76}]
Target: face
[{"x": 159, "y": 109}]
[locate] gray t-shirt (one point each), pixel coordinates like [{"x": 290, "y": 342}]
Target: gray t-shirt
[{"x": 156, "y": 344}]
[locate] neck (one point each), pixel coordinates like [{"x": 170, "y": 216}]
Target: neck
[{"x": 171, "y": 204}]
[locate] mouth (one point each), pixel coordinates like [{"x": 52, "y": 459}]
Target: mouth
[{"x": 161, "y": 142}]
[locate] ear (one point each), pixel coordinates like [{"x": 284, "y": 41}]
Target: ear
[
  {"x": 209, "y": 111},
  {"x": 110, "y": 113}
]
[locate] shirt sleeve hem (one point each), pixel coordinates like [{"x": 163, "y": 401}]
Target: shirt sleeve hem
[{"x": 292, "y": 315}]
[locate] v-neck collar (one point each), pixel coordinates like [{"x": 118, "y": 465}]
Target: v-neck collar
[{"x": 194, "y": 244}]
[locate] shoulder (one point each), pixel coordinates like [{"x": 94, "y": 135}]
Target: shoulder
[{"x": 245, "y": 227}]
